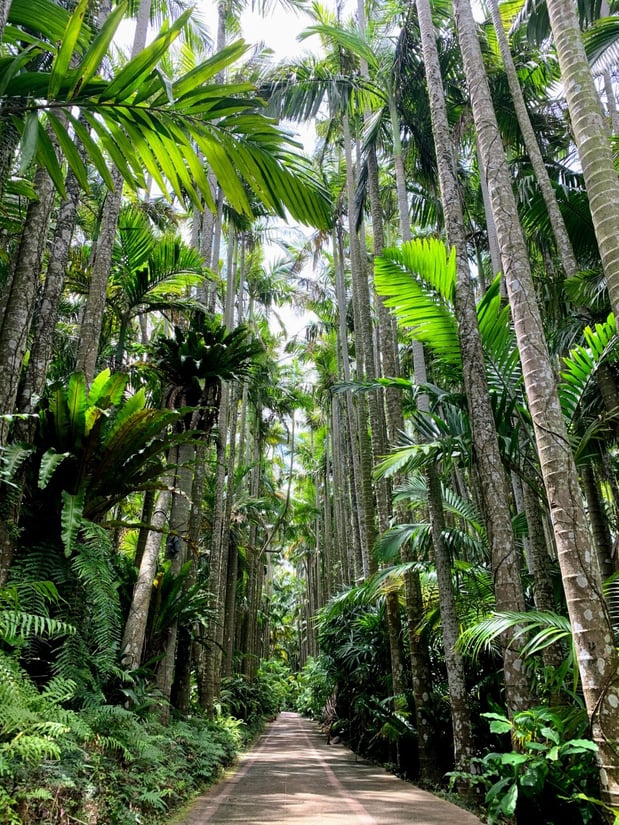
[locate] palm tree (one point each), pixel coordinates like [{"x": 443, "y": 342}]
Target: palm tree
[
  {"x": 562, "y": 240},
  {"x": 591, "y": 134},
  {"x": 491, "y": 472},
  {"x": 597, "y": 656},
  {"x": 192, "y": 366}
]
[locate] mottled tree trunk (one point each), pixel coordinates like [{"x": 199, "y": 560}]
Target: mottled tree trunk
[
  {"x": 363, "y": 345},
  {"x": 591, "y": 627},
  {"x": 591, "y": 134},
  {"x": 100, "y": 265},
  {"x": 21, "y": 297},
  {"x": 134, "y": 634},
  {"x": 44, "y": 325},
  {"x": 180, "y": 516},
  {"x": 562, "y": 240},
  {"x": 599, "y": 523},
  {"x": 492, "y": 476}
]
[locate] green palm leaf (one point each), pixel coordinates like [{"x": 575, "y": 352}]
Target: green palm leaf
[
  {"x": 539, "y": 629},
  {"x": 581, "y": 365},
  {"x": 418, "y": 281}
]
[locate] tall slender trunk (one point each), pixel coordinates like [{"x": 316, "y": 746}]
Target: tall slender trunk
[
  {"x": 357, "y": 513},
  {"x": 180, "y": 515},
  {"x": 564, "y": 245},
  {"x": 591, "y": 134},
  {"x": 14, "y": 332},
  {"x": 458, "y": 697},
  {"x": 602, "y": 540},
  {"x": 591, "y": 627},
  {"x": 20, "y": 303},
  {"x": 44, "y": 325},
  {"x": 5, "y": 5},
  {"x": 92, "y": 320},
  {"x": 492, "y": 476},
  {"x": 135, "y": 627},
  {"x": 101, "y": 262},
  {"x": 363, "y": 343}
]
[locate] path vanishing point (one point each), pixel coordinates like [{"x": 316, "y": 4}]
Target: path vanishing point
[{"x": 293, "y": 777}]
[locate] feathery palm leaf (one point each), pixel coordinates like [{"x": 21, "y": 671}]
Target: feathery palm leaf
[{"x": 144, "y": 122}]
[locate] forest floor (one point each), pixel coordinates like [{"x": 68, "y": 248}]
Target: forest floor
[{"x": 293, "y": 777}]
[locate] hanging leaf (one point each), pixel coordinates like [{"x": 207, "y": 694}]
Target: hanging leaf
[
  {"x": 29, "y": 140},
  {"x": 46, "y": 157},
  {"x": 98, "y": 49},
  {"x": 71, "y": 519},
  {"x": 50, "y": 460},
  {"x": 64, "y": 55},
  {"x": 70, "y": 152}
]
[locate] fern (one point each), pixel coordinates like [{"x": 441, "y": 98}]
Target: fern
[
  {"x": 92, "y": 656},
  {"x": 12, "y": 457},
  {"x": 580, "y": 367},
  {"x": 18, "y": 624}
]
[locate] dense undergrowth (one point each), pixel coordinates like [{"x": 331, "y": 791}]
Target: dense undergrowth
[
  {"x": 537, "y": 767},
  {"x": 107, "y": 763}
]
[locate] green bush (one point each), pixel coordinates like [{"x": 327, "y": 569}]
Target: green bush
[
  {"x": 270, "y": 692},
  {"x": 103, "y": 764},
  {"x": 315, "y": 685},
  {"x": 552, "y": 775}
]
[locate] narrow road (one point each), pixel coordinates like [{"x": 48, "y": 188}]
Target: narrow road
[{"x": 293, "y": 777}]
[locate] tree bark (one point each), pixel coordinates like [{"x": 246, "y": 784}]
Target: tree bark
[
  {"x": 179, "y": 529},
  {"x": 564, "y": 245},
  {"x": 19, "y": 307},
  {"x": 134, "y": 634},
  {"x": 92, "y": 319},
  {"x": 591, "y": 627},
  {"x": 493, "y": 480},
  {"x": 591, "y": 135},
  {"x": 44, "y": 325}
]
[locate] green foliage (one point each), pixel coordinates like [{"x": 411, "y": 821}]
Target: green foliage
[
  {"x": 549, "y": 775},
  {"x": 150, "y": 124},
  {"x": 102, "y": 764},
  {"x": 315, "y": 685},
  {"x": 271, "y": 691},
  {"x": 354, "y": 664},
  {"x": 23, "y": 613},
  {"x": 95, "y": 447}
]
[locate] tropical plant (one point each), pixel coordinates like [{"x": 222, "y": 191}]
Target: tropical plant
[
  {"x": 549, "y": 774},
  {"x": 147, "y": 122}
]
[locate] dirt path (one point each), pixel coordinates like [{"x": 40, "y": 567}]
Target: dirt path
[{"x": 292, "y": 777}]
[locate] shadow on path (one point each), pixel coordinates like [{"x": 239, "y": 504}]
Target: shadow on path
[{"x": 292, "y": 777}]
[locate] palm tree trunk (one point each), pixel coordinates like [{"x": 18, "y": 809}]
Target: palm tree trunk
[
  {"x": 9, "y": 141},
  {"x": 20, "y": 303},
  {"x": 591, "y": 134},
  {"x": 354, "y": 477},
  {"x": 599, "y": 523},
  {"x": 564, "y": 245},
  {"x": 45, "y": 320},
  {"x": 92, "y": 320},
  {"x": 454, "y": 664},
  {"x": 592, "y": 632},
  {"x": 180, "y": 516},
  {"x": 135, "y": 627},
  {"x": 101, "y": 262},
  {"x": 494, "y": 488},
  {"x": 363, "y": 344},
  {"x": 5, "y": 5}
]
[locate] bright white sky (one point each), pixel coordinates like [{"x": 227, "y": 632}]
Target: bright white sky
[{"x": 278, "y": 31}]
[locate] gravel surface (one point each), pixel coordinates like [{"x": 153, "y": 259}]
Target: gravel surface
[{"x": 293, "y": 777}]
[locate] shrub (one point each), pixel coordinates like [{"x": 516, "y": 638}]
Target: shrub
[{"x": 551, "y": 777}]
